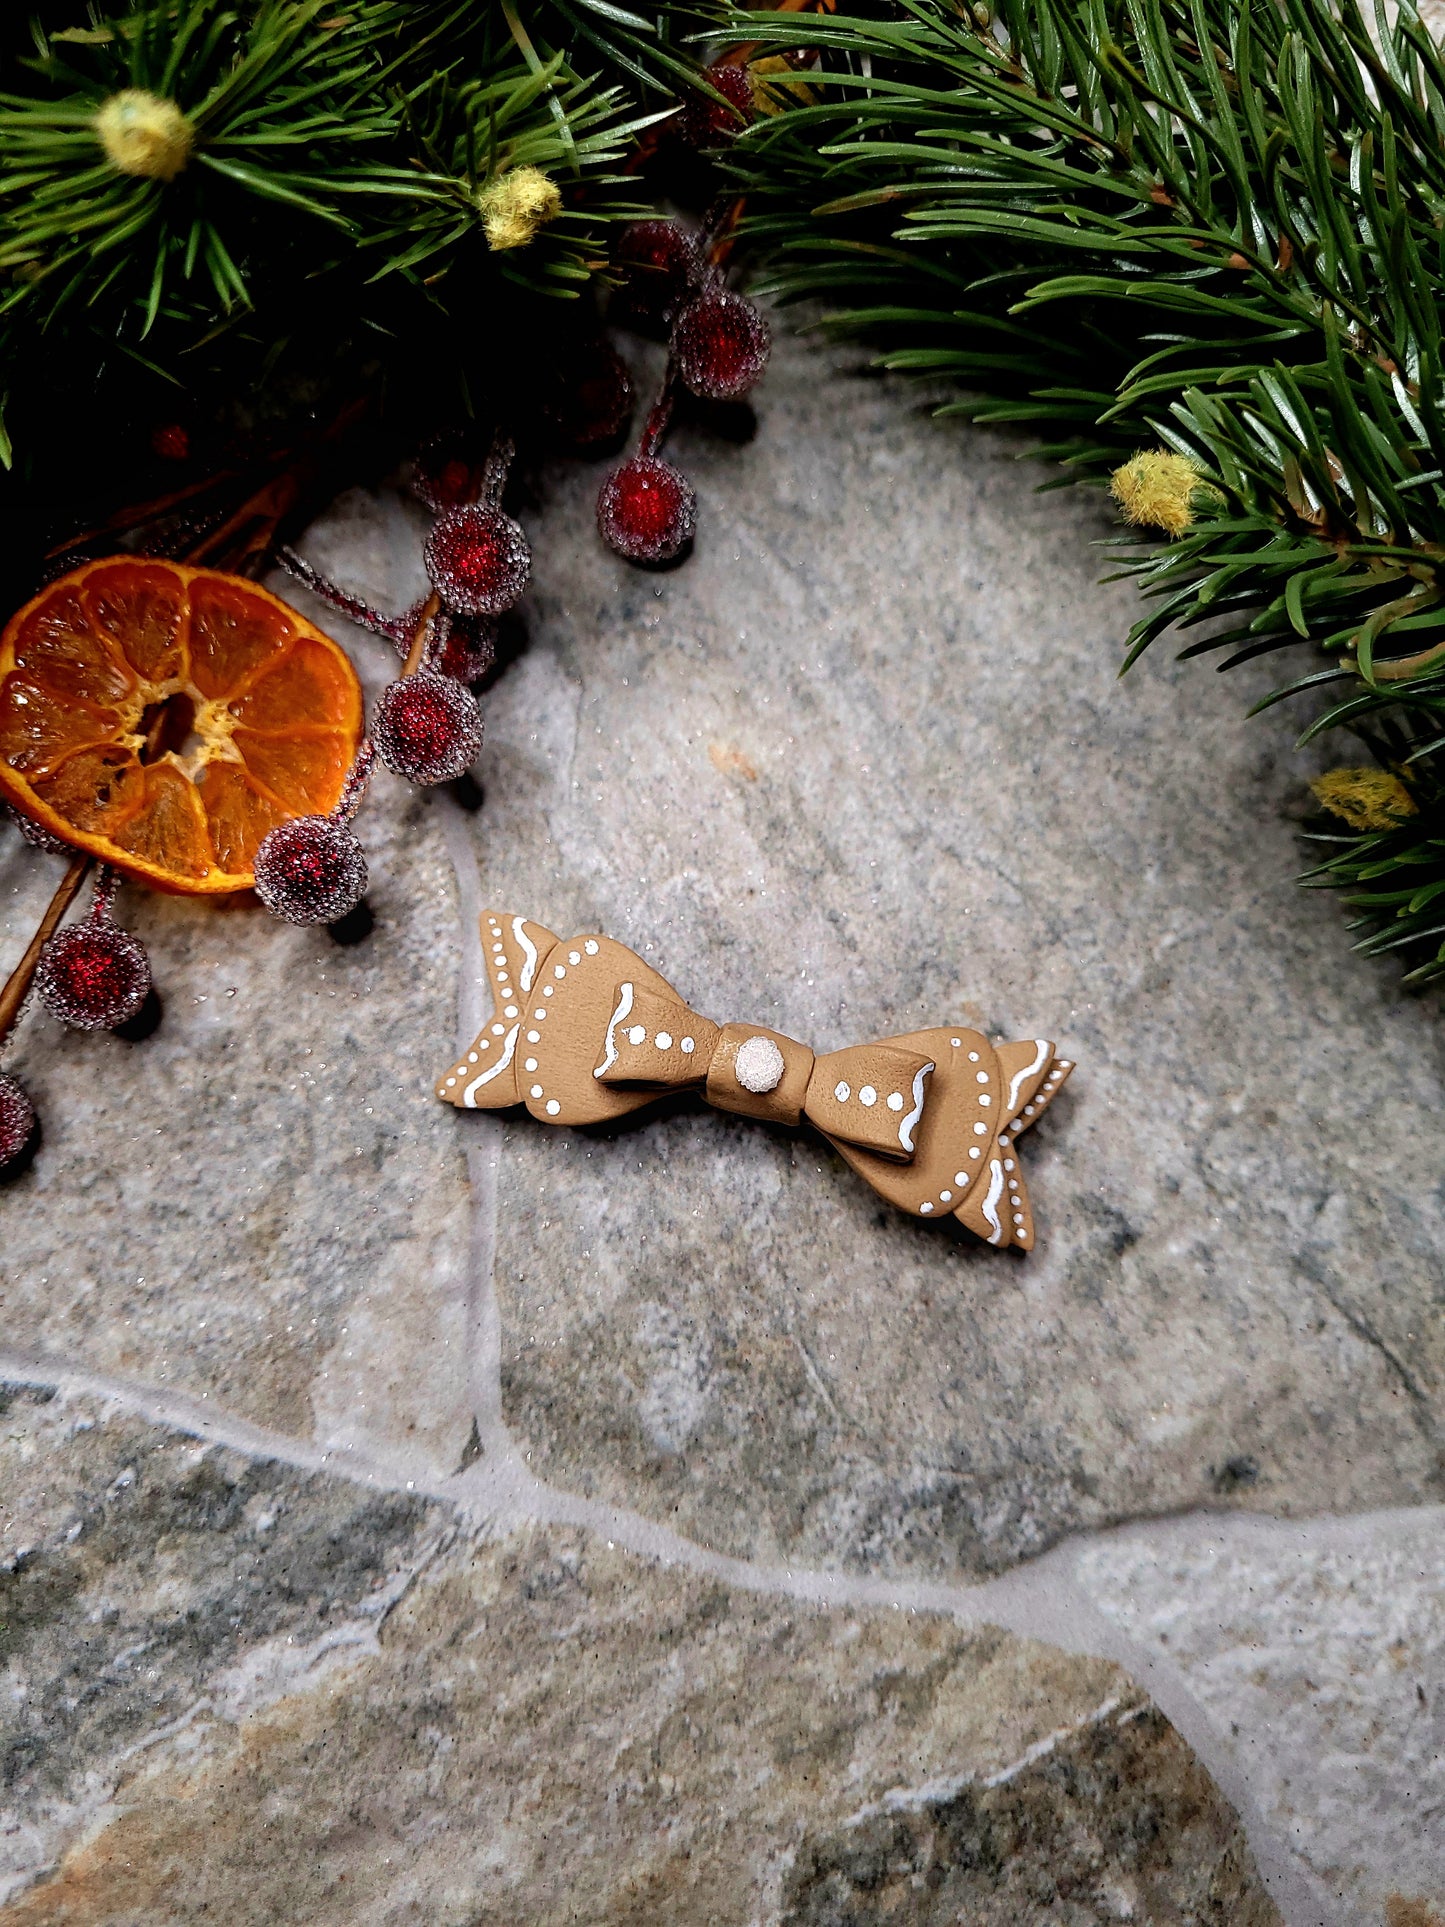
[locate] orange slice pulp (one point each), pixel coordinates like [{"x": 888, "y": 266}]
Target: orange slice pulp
[{"x": 164, "y": 718}]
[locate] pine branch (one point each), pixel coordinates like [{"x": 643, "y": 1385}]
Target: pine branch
[{"x": 1213, "y": 226}]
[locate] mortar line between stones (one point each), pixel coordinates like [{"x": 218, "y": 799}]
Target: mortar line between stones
[{"x": 484, "y": 1336}]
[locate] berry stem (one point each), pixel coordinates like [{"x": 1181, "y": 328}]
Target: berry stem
[
  {"x": 660, "y": 413},
  {"x": 494, "y": 474},
  {"x": 18, "y": 983},
  {"x": 396, "y": 629},
  {"x": 354, "y": 788}
]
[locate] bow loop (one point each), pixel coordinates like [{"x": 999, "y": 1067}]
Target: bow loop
[
  {"x": 654, "y": 1040},
  {"x": 872, "y": 1095}
]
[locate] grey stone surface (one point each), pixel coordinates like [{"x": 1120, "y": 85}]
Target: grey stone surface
[
  {"x": 861, "y": 763},
  {"x": 544, "y": 1732},
  {"x": 1321, "y": 1660},
  {"x": 146, "y": 1579},
  {"x": 259, "y": 1204}
]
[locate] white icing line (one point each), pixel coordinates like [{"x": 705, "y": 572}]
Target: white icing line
[
  {"x": 995, "y": 1186},
  {"x": 469, "y": 1095},
  {"x": 1027, "y": 1071},
  {"x": 624, "y": 1006},
  {"x": 529, "y": 968},
  {"x": 905, "y": 1129}
]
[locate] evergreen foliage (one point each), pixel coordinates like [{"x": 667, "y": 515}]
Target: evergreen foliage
[
  {"x": 1215, "y": 227},
  {"x": 324, "y": 193}
]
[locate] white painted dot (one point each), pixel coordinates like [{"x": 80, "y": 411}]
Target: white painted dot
[
  {"x": 559, "y": 972},
  {"x": 484, "y": 1043},
  {"x": 530, "y": 1065},
  {"x": 957, "y": 1042},
  {"x": 539, "y": 1013},
  {"x": 497, "y": 948},
  {"x": 925, "y": 1207},
  {"x": 945, "y": 1197},
  {"x": 688, "y": 1046},
  {"x": 574, "y": 956},
  {"x": 497, "y": 1029},
  {"x": 842, "y": 1090},
  {"x": 534, "y": 1037},
  {"x": 450, "y": 1082},
  {"x": 1018, "y": 1217},
  {"x": 548, "y": 991},
  {"x": 1013, "y": 1184},
  {"x": 1028, "y": 1110},
  {"x": 552, "y": 1107},
  {"x": 984, "y": 1099},
  {"x": 868, "y": 1097},
  {"x": 982, "y": 1076},
  {"x": 979, "y": 1130},
  {"x": 973, "y": 1057},
  {"x": 471, "y": 1057},
  {"x": 1008, "y": 1164},
  {"x": 536, "y": 1090},
  {"x": 963, "y": 1182},
  {"x": 960, "y": 1177},
  {"x": 510, "y": 1011},
  {"x": 637, "y": 1035},
  {"x": 974, "y": 1151},
  {"x": 590, "y": 946},
  {"x": 664, "y": 1040},
  {"x": 1064, "y": 1064},
  {"x": 895, "y": 1100}
]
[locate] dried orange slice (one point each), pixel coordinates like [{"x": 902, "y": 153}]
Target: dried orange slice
[{"x": 164, "y": 718}]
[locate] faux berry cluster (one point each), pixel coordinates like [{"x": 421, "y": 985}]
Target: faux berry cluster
[
  {"x": 427, "y": 725},
  {"x": 718, "y": 347}
]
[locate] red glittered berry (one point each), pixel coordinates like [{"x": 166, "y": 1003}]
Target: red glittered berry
[
  {"x": 706, "y": 122},
  {"x": 660, "y": 266},
  {"x": 427, "y": 727},
  {"x": 469, "y": 651},
  {"x": 591, "y": 399},
  {"x": 310, "y": 870},
  {"x": 446, "y": 472},
  {"x": 720, "y": 345},
  {"x": 93, "y": 975},
  {"x": 478, "y": 560},
  {"x": 647, "y": 510},
  {"x": 172, "y": 442},
  {"x": 17, "y": 1125}
]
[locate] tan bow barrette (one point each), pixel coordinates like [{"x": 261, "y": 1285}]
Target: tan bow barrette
[{"x": 585, "y": 1031}]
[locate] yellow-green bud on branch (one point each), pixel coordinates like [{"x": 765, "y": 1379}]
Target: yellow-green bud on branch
[
  {"x": 517, "y": 205},
  {"x": 1156, "y": 489},
  {"x": 144, "y": 135},
  {"x": 1366, "y": 799}
]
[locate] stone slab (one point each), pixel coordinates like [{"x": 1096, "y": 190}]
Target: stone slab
[
  {"x": 536, "y": 1727},
  {"x": 148, "y": 1581},
  {"x": 861, "y": 763},
  {"x": 1320, "y": 1660}
]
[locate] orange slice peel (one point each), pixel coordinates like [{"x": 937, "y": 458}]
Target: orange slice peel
[{"x": 164, "y": 718}]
